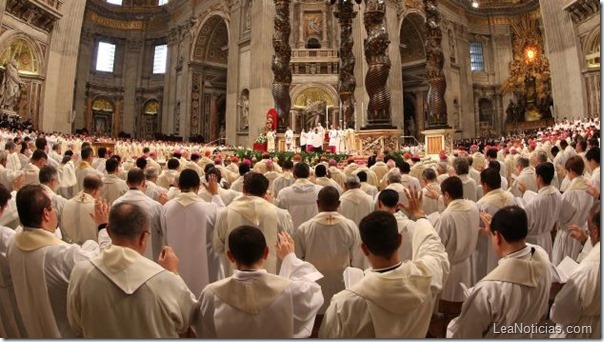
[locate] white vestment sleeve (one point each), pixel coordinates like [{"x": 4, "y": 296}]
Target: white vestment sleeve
[
  {"x": 429, "y": 250},
  {"x": 307, "y": 294},
  {"x": 216, "y": 199},
  {"x": 567, "y": 308},
  {"x": 475, "y": 318}
]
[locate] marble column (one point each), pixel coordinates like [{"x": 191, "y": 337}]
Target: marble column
[
  {"x": 61, "y": 69},
  {"x": 565, "y": 57}
]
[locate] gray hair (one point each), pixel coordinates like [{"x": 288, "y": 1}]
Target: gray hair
[
  {"x": 394, "y": 176},
  {"x": 522, "y": 161},
  {"x": 151, "y": 173},
  {"x": 352, "y": 182},
  {"x": 47, "y": 174},
  {"x": 461, "y": 166},
  {"x": 442, "y": 167},
  {"x": 541, "y": 157}
]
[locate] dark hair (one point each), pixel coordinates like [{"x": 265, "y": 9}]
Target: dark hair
[
  {"x": 320, "y": 170},
  {"x": 511, "y": 222},
  {"x": 208, "y": 167},
  {"x": 135, "y": 177},
  {"x": 583, "y": 145},
  {"x": 329, "y": 198},
  {"x": 188, "y": 179},
  {"x": 145, "y": 150},
  {"x": 173, "y": 164},
  {"x": 47, "y": 173},
  {"x": 244, "y": 168},
  {"x": 38, "y": 155},
  {"x": 379, "y": 233},
  {"x": 10, "y": 145},
  {"x": 92, "y": 183},
  {"x": 68, "y": 153},
  {"x": 31, "y": 202},
  {"x": 494, "y": 164},
  {"x": 595, "y": 217},
  {"x": 86, "y": 153},
  {"x": 40, "y": 143},
  {"x": 24, "y": 147},
  {"x": 555, "y": 150},
  {"x": 247, "y": 245},
  {"x": 111, "y": 165},
  {"x": 255, "y": 184},
  {"x": 492, "y": 153},
  {"x": 102, "y": 151},
  {"x": 4, "y": 196},
  {"x": 288, "y": 165},
  {"x": 405, "y": 167},
  {"x": 429, "y": 174},
  {"x": 453, "y": 186},
  {"x": 301, "y": 170},
  {"x": 141, "y": 163},
  {"x": 545, "y": 171},
  {"x": 213, "y": 171},
  {"x": 116, "y": 157},
  {"x": 127, "y": 220},
  {"x": 195, "y": 157},
  {"x": 593, "y": 154},
  {"x": 388, "y": 197},
  {"x": 362, "y": 176},
  {"x": 490, "y": 176},
  {"x": 563, "y": 143},
  {"x": 575, "y": 164}
]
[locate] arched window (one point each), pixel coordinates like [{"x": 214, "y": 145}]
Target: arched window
[
  {"x": 593, "y": 52},
  {"x": 313, "y": 43},
  {"x": 476, "y": 56}
]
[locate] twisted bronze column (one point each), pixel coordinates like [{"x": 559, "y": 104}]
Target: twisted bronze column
[
  {"x": 437, "y": 107},
  {"x": 376, "y": 54},
  {"x": 345, "y": 13},
  {"x": 280, "y": 65}
]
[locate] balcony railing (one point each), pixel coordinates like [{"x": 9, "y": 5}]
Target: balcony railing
[{"x": 314, "y": 53}]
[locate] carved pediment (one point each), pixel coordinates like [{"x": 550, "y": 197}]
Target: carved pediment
[{"x": 39, "y": 13}]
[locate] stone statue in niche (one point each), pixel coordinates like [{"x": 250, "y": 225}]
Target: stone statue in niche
[
  {"x": 10, "y": 88},
  {"x": 244, "y": 111}
]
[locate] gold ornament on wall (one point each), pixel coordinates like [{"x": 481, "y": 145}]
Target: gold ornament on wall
[{"x": 19, "y": 49}]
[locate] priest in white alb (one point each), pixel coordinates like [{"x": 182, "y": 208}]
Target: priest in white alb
[
  {"x": 189, "y": 223},
  {"x": 355, "y": 203},
  {"x": 456, "y": 227},
  {"x": 516, "y": 292},
  {"x": 525, "y": 175},
  {"x": 76, "y": 221},
  {"x": 251, "y": 209},
  {"x": 113, "y": 185},
  {"x": 122, "y": 294},
  {"x": 300, "y": 199},
  {"x": 255, "y": 303},
  {"x": 393, "y": 299},
  {"x": 330, "y": 242}
]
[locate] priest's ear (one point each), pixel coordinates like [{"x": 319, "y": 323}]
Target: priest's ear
[
  {"x": 365, "y": 249},
  {"x": 230, "y": 257}
]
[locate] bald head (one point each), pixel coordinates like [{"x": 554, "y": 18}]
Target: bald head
[
  {"x": 329, "y": 199},
  {"x": 127, "y": 221}
]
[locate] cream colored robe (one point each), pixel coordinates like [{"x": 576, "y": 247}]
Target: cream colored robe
[
  {"x": 258, "y": 304},
  {"x": 300, "y": 200},
  {"x": 281, "y": 182},
  {"x": 456, "y": 227},
  {"x": 528, "y": 178},
  {"x": 32, "y": 175},
  {"x": 324, "y": 181},
  {"x": 41, "y": 265},
  {"x": 257, "y": 212},
  {"x": 485, "y": 259},
  {"x": 356, "y": 204},
  {"x": 432, "y": 205},
  {"x": 542, "y": 210},
  {"x": 154, "y": 210},
  {"x": 395, "y": 303},
  {"x": 190, "y": 223},
  {"x": 11, "y": 325},
  {"x": 470, "y": 188},
  {"x": 83, "y": 170},
  {"x": 330, "y": 242},
  {"x": 121, "y": 294},
  {"x": 76, "y": 221},
  {"x": 113, "y": 188},
  {"x": 516, "y": 292},
  {"x": 578, "y": 303},
  {"x": 576, "y": 203}
]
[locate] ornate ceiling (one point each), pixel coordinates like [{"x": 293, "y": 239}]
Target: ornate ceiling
[{"x": 498, "y": 6}]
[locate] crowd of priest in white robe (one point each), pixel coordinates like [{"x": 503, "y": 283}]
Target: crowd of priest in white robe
[{"x": 498, "y": 241}]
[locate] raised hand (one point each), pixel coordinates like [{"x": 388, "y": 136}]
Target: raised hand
[
  {"x": 414, "y": 207},
  {"x": 521, "y": 187},
  {"x": 18, "y": 182},
  {"x": 577, "y": 233},
  {"x": 486, "y": 220},
  {"x": 212, "y": 186},
  {"x": 168, "y": 260},
  {"x": 101, "y": 212},
  {"x": 284, "y": 245},
  {"x": 162, "y": 198}
]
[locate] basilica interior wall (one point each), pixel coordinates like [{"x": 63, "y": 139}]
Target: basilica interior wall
[{"x": 218, "y": 77}]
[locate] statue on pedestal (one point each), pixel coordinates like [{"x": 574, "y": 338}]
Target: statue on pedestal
[{"x": 10, "y": 89}]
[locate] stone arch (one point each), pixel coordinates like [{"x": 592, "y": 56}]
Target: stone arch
[
  {"x": 299, "y": 90},
  {"x": 412, "y": 38},
  {"x": 30, "y": 56},
  {"x": 211, "y": 39},
  {"x": 592, "y": 49}
]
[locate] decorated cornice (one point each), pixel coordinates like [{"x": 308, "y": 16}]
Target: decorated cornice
[
  {"x": 39, "y": 13},
  {"x": 495, "y": 9},
  {"x": 580, "y": 10},
  {"x": 126, "y": 13}
]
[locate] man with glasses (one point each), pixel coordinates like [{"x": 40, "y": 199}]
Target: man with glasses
[{"x": 41, "y": 264}]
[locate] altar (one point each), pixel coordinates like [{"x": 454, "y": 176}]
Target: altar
[{"x": 438, "y": 140}]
